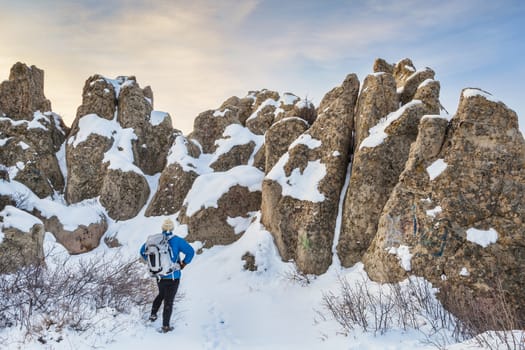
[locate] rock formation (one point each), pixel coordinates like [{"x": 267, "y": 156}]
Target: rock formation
[
  {"x": 23, "y": 94},
  {"x": 380, "y": 155},
  {"x": 31, "y": 135},
  {"x": 20, "y": 246},
  {"x": 456, "y": 217},
  {"x": 301, "y": 193},
  {"x": 415, "y": 192},
  {"x": 116, "y": 139}
]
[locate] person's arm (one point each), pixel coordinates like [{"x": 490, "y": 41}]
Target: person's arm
[
  {"x": 188, "y": 251},
  {"x": 143, "y": 251}
]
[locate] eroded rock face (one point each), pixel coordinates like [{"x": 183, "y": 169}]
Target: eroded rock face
[
  {"x": 303, "y": 222},
  {"x": 86, "y": 169},
  {"x": 19, "y": 248},
  {"x": 30, "y": 134},
  {"x": 379, "y": 160},
  {"x": 228, "y": 201},
  {"x": 124, "y": 193},
  {"x": 176, "y": 179},
  {"x": 457, "y": 213},
  {"x": 82, "y": 239},
  {"x": 23, "y": 94},
  {"x": 116, "y": 128},
  {"x": 98, "y": 97},
  {"x": 279, "y": 137},
  {"x": 377, "y": 99}
]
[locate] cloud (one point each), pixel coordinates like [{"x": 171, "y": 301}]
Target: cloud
[{"x": 196, "y": 54}]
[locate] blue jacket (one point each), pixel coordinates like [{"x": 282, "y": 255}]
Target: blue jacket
[{"x": 178, "y": 245}]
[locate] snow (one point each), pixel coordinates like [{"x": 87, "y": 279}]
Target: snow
[
  {"x": 435, "y": 211},
  {"x": 240, "y": 223},
  {"x": 82, "y": 213},
  {"x": 19, "y": 219},
  {"x": 120, "y": 155},
  {"x": 482, "y": 237},
  {"x": 464, "y": 272},
  {"x": 23, "y": 145},
  {"x": 222, "y": 306},
  {"x": 93, "y": 124},
  {"x": 377, "y": 133},
  {"x": 299, "y": 185},
  {"x": 4, "y": 141},
  {"x": 403, "y": 254},
  {"x": 436, "y": 168},
  {"x": 178, "y": 154},
  {"x": 289, "y": 98},
  {"x": 307, "y": 140},
  {"x": 32, "y": 124},
  {"x": 219, "y": 113},
  {"x": 267, "y": 102},
  {"x": 233, "y": 135},
  {"x": 157, "y": 117},
  {"x": 473, "y": 92},
  {"x": 425, "y": 82},
  {"x": 209, "y": 188}
]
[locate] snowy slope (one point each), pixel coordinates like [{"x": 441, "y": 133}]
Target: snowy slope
[{"x": 224, "y": 306}]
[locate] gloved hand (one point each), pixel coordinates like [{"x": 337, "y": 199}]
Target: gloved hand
[{"x": 182, "y": 265}]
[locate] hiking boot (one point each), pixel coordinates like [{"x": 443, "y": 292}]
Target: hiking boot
[
  {"x": 166, "y": 329},
  {"x": 153, "y": 317}
]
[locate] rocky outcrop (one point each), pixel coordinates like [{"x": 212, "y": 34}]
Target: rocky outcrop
[
  {"x": 377, "y": 99},
  {"x": 379, "y": 159},
  {"x": 20, "y": 246},
  {"x": 112, "y": 147},
  {"x": 457, "y": 215},
  {"x": 82, "y": 239},
  {"x": 220, "y": 205},
  {"x": 86, "y": 169},
  {"x": 303, "y": 221},
  {"x": 23, "y": 94},
  {"x": 124, "y": 193},
  {"x": 30, "y": 135},
  {"x": 280, "y": 136},
  {"x": 176, "y": 179}
]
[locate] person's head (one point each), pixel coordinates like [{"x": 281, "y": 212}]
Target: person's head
[{"x": 167, "y": 226}]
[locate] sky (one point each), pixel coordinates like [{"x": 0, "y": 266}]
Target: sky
[{"x": 195, "y": 54}]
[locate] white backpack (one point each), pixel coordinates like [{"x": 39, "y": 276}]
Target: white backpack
[{"x": 159, "y": 256}]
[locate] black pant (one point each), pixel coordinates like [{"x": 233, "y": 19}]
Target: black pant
[{"x": 167, "y": 290}]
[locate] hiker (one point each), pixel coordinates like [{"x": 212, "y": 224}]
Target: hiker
[{"x": 168, "y": 283}]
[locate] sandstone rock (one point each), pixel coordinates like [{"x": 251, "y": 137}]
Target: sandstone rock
[
  {"x": 403, "y": 70},
  {"x": 80, "y": 240},
  {"x": 279, "y": 137},
  {"x": 29, "y": 151},
  {"x": 176, "y": 179},
  {"x": 376, "y": 167},
  {"x": 86, "y": 171},
  {"x": 31, "y": 136},
  {"x": 303, "y": 223},
  {"x": 210, "y": 125},
  {"x": 19, "y": 248},
  {"x": 116, "y": 119},
  {"x": 134, "y": 108},
  {"x": 174, "y": 184},
  {"x": 124, "y": 194},
  {"x": 23, "y": 93},
  {"x": 98, "y": 97},
  {"x": 407, "y": 91},
  {"x": 380, "y": 65},
  {"x": 152, "y": 145},
  {"x": 237, "y": 196},
  {"x": 377, "y": 99},
  {"x": 458, "y": 211}
]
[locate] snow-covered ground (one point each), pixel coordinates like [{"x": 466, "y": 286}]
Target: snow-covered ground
[{"x": 225, "y": 306}]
